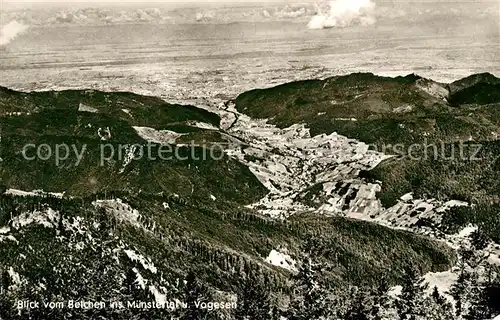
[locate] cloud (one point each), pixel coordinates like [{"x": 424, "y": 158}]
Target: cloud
[
  {"x": 10, "y": 31},
  {"x": 343, "y": 13}
]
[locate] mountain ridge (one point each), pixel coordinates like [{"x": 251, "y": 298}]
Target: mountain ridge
[{"x": 197, "y": 216}]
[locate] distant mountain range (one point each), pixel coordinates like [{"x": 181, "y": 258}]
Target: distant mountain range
[{"x": 105, "y": 14}]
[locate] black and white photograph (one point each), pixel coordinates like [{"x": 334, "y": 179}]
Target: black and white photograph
[{"x": 250, "y": 160}]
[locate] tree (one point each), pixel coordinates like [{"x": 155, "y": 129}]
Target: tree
[
  {"x": 458, "y": 292},
  {"x": 130, "y": 283},
  {"x": 439, "y": 308},
  {"x": 359, "y": 306},
  {"x": 6, "y": 305},
  {"x": 381, "y": 300},
  {"x": 482, "y": 297},
  {"x": 194, "y": 294},
  {"x": 469, "y": 290},
  {"x": 410, "y": 305},
  {"x": 254, "y": 302},
  {"x": 310, "y": 299},
  {"x": 479, "y": 304},
  {"x": 479, "y": 240},
  {"x": 4, "y": 281}
]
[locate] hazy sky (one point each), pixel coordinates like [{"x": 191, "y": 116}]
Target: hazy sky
[
  {"x": 65, "y": 3},
  {"x": 138, "y": 1},
  {"x": 21, "y": 4},
  {"x": 69, "y": 2}
]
